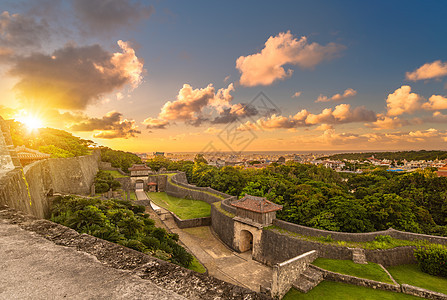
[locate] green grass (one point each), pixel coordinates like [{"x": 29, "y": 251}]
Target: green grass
[
  {"x": 183, "y": 208},
  {"x": 115, "y": 173},
  {"x": 342, "y": 291},
  {"x": 411, "y": 274},
  {"x": 133, "y": 196},
  {"x": 218, "y": 205},
  {"x": 348, "y": 267},
  {"x": 197, "y": 266},
  {"x": 393, "y": 243}
]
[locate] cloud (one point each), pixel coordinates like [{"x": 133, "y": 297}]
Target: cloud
[
  {"x": 385, "y": 122},
  {"x": 403, "y": 101},
  {"x": 155, "y": 123},
  {"x": 74, "y": 77},
  {"x": 18, "y": 31},
  {"x": 212, "y": 130},
  {"x": 236, "y": 111},
  {"x": 97, "y": 16},
  {"x": 341, "y": 114},
  {"x": 267, "y": 66},
  {"x": 190, "y": 105},
  {"x": 435, "y": 102},
  {"x": 296, "y": 95},
  {"x": 337, "y": 97},
  {"x": 431, "y": 70},
  {"x": 110, "y": 126}
]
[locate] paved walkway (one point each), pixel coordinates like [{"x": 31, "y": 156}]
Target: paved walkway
[
  {"x": 221, "y": 262},
  {"x": 141, "y": 195},
  {"x": 35, "y": 268}
]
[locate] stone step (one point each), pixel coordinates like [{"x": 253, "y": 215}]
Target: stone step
[
  {"x": 309, "y": 279},
  {"x": 313, "y": 275},
  {"x": 303, "y": 285},
  {"x": 358, "y": 256}
]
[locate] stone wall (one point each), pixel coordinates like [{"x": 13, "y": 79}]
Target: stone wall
[
  {"x": 177, "y": 186},
  {"x": 337, "y": 277},
  {"x": 357, "y": 237},
  {"x": 286, "y": 273},
  {"x": 189, "y": 223},
  {"x": 222, "y": 224},
  {"x": 423, "y": 293},
  {"x": 392, "y": 257},
  {"x": 167, "y": 276},
  {"x": 277, "y": 247}
]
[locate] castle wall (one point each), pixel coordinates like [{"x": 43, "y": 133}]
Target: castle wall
[
  {"x": 27, "y": 189},
  {"x": 223, "y": 225}
]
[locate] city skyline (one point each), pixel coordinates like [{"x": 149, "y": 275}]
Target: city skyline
[{"x": 183, "y": 77}]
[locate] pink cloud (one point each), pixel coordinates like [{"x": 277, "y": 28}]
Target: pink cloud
[
  {"x": 431, "y": 70},
  {"x": 338, "y": 97},
  {"x": 267, "y": 66}
]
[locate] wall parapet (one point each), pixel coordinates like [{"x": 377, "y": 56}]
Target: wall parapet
[
  {"x": 189, "y": 223},
  {"x": 357, "y": 237},
  {"x": 287, "y": 272}
]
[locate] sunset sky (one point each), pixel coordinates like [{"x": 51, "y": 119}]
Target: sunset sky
[{"x": 180, "y": 76}]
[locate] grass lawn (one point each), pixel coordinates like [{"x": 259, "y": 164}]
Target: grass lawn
[
  {"x": 342, "y": 291},
  {"x": 183, "y": 208},
  {"x": 370, "y": 271},
  {"x": 115, "y": 173},
  {"x": 133, "y": 196},
  {"x": 411, "y": 274},
  {"x": 197, "y": 266}
]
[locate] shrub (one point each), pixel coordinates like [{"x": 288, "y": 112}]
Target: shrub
[
  {"x": 383, "y": 239},
  {"x": 432, "y": 259}
]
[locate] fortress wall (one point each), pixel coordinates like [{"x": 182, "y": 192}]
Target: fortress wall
[
  {"x": 223, "y": 225},
  {"x": 357, "y": 237},
  {"x": 277, "y": 247},
  {"x": 177, "y": 186},
  {"x": 392, "y": 257},
  {"x": 26, "y": 189},
  {"x": 189, "y": 223}
]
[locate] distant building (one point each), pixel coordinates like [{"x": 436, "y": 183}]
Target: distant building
[
  {"x": 139, "y": 174},
  {"x": 257, "y": 209},
  {"x": 159, "y": 154},
  {"x": 442, "y": 171},
  {"x": 27, "y": 156}
]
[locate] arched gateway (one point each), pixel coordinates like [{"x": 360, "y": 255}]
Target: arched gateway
[{"x": 252, "y": 214}]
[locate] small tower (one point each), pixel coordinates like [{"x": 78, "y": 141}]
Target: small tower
[{"x": 257, "y": 209}]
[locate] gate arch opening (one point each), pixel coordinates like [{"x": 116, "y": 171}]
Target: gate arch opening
[{"x": 246, "y": 241}]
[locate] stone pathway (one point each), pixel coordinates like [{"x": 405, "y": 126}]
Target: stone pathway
[
  {"x": 35, "y": 268},
  {"x": 221, "y": 262},
  {"x": 141, "y": 195}
]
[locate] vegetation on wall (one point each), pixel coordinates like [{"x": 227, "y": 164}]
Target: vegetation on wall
[
  {"x": 120, "y": 222},
  {"x": 432, "y": 260},
  {"x": 104, "y": 181}
]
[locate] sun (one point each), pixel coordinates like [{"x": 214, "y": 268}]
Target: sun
[{"x": 31, "y": 122}]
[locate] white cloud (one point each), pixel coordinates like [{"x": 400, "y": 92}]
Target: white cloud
[
  {"x": 435, "y": 102},
  {"x": 296, "y": 95},
  {"x": 267, "y": 66},
  {"x": 431, "y": 70},
  {"x": 403, "y": 101},
  {"x": 337, "y": 97}
]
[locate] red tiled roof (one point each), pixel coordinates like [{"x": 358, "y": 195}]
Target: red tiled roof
[
  {"x": 151, "y": 183},
  {"x": 139, "y": 168},
  {"x": 256, "y": 204},
  {"x": 24, "y": 153}
]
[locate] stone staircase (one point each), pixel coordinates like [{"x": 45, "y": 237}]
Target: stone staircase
[
  {"x": 309, "y": 279},
  {"x": 358, "y": 256}
]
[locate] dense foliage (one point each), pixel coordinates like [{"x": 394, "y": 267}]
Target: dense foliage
[
  {"x": 398, "y": 156},
  {"x": 432, "y": 260},
  {"x": 121, "y": 222},
  {"x": 104, "y": 181},
  {"x": 319, "y": 197},
  {"x": 56, "y": 142},
  {"x": 119, "y": 159}
]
